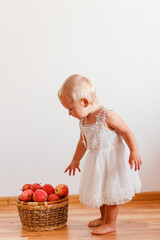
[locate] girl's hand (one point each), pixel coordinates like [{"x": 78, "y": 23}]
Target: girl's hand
[
  {"x": 72, "y": 167},
  {"x": 135, "y": 159}
]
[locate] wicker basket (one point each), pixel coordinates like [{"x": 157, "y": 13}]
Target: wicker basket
[{"x": 43, "y": 216}]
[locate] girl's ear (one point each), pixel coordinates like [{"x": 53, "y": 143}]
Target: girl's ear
[{"x": 84, "y": 102}]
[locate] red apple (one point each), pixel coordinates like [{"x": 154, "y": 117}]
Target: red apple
[
  {"x": 48, "y": 188},
  {"x": 26, "y": 195},
  {"x": 61, "y": 190},
  {"x": 26, "y": 186},
  {"x": 40, "y": 196},
  {"x": 36, "y": 186},
  {"x": 53, "y": 197}
]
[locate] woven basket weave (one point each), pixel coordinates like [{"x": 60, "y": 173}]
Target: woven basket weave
[{"x": 43, "y": 216}]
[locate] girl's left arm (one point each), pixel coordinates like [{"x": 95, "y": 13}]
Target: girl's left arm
[{"x": 115, "y": 122}]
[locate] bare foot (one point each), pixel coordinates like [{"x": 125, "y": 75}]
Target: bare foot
[
  {"x": 105, "y": 228},
  {"x": 95, "y": 223}
]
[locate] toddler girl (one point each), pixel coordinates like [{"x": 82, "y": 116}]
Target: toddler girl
[{"x": 109, "y": 175}]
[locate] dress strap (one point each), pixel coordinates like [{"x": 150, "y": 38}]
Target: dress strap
[{"x": 101, "y": 116}]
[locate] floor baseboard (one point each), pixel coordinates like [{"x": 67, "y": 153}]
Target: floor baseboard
[{"x": 74, "y": 198}]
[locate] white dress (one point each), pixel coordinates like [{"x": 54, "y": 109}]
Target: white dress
[{"x": 106, "y": 176}]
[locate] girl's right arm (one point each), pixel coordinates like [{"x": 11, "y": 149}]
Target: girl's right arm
[{"x": 79, "y": 153}]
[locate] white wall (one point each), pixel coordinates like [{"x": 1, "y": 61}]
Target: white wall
[{"x": 114, "y": 43}]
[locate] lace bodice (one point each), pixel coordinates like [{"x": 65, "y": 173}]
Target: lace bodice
[{"x": 96, "y": 136}]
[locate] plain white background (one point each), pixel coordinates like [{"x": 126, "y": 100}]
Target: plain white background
[{"x": 116, "y": 44}]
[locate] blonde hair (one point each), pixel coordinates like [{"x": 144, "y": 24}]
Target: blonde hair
[{"x": 77, "y": 87}]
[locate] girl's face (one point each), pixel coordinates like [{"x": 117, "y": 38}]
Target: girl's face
[{"x": 76, "y": 109}]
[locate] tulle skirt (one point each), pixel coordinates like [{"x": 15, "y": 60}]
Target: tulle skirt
[{"x": 106, "y": 177}]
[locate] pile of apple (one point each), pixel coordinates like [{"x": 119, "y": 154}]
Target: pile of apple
[{"x": 37, "y": 193}]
